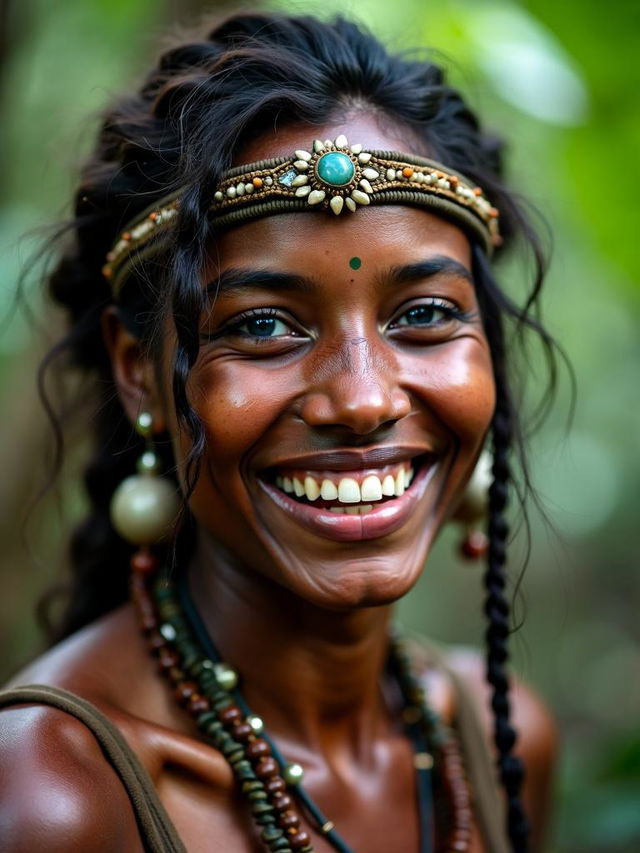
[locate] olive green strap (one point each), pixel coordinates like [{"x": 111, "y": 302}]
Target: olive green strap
[
  {"x": 156, "y": 830},
  {"x": 490, "y": 805}
]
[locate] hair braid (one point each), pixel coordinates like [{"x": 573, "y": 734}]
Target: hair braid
[{"x": 497, "y": 610}]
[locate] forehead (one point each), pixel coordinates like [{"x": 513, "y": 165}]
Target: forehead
[{"x": 316, "y": 243}]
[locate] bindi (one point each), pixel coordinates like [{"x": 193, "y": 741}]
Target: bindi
[{"x": 355, "y": 263}]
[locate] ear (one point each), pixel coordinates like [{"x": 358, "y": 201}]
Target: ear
[{"x": 133, "y": 371}]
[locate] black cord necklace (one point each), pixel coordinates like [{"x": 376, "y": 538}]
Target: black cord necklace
[{"x": 322, "y": 823}]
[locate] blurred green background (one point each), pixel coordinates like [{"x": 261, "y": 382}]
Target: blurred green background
[{"x": 561, "y": 82}]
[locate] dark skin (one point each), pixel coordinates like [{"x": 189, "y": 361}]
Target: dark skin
[{"x": 341, "y": 364}]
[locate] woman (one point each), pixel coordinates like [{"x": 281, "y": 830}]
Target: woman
[{"x": 279, "y": 282}]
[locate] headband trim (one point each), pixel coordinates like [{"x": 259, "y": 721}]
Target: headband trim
[{"x": 334, "y": 177}]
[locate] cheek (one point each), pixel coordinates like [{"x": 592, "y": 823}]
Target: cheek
[
  {"x": 457, "y": 384},
  {"x": 237, "y": 404}
]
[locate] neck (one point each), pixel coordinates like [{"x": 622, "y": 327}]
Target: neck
[{"x": 315, "y": 676}]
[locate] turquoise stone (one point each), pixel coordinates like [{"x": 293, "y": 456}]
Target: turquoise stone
[{"x": 335, "y": 169}]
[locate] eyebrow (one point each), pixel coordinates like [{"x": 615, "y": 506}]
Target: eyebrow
[
  {"x": 237, "y": 279},
  {"x": 429, "y": 268}
]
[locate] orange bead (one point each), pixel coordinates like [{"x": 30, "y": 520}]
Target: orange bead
[
  {"x": 257, "y": 182},
  {"x": 144, "y": 561},
  {"x": 407, "y": 172}
]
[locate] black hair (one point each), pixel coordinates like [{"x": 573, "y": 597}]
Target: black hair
[{"x": 198, "y": 105}]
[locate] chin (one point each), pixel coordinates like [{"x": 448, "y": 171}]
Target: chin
[{"x": 358, "y": 583}]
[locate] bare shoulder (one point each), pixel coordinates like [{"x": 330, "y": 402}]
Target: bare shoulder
[
  {"x": 57, "y": 791},
  {"x": 537, "y": 733},
  {"x": 535, "y": 725}
]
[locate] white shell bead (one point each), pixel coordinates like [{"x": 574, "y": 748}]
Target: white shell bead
[
  {"x": 316, "y": 196},
  {"x": 143, "y": 508},
  {"x": 268, "y": 180},
  {"x": 318, "y": 146},
  {"x": 249, "y": 188},
  {"x": 356, "y": 149},
  {"x": 240, "y": 189},
  {"x": 351, "y": 205},
  {"x": 366, "y": 186},
  {"x": 303, "y": 155},
  {"x": 371, "y": 174},
  {"x": 293, "y": 774},
  {"x": 336, "y": 204},
  {"x": 364, "y": 157},
  {"x": 391, "y": 174},
  {"x": 328, "y": 143},
  {"x": 218, "y": 196},
  {"x": 231, "y": 192},
  {"x": 360, "y": 197},
  {"x": 299, "y": 181},
  {"x": 341, "y": 141},
  {"x": 301, "y": 192},
  {"x": 301, "y": 165}
]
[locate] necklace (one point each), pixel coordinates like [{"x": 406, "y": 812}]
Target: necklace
[{"x": 208, "y": 688}]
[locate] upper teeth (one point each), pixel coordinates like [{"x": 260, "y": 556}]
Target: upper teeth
[{"x": 347, "y": 490}]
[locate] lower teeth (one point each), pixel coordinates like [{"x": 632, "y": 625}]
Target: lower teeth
[{"x": 360, "y": 509}]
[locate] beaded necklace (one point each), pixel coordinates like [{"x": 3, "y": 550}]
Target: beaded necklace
[{"x": 208, "y": 688}]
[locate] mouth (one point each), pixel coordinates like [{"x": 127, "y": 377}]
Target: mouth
[{"x": 361, "y": 503}]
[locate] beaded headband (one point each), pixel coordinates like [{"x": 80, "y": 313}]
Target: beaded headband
[{"x": 334, "y": 177}]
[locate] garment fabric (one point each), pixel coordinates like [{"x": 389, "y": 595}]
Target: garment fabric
[{"x": 156, "y": 829}]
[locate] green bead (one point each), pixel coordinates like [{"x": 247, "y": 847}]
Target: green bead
[
  {"x": 205, "y": 718},
  {"x": 244, "y": 771},
  {"x": 271, "y": 833},
  {"x": 256, "y": 795},
  {"x": 213, "y": 728},
  {"x": 280, "y": 845},
  {"x": 335, "y": 169},
  {"x": 255, "y": 785},
  {"x": 261, "y": 808},
  {"x": 236, "y": 756}
]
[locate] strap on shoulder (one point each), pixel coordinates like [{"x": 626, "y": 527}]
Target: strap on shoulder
[
  {"x": 156, "y": 830},
  {"x": 481, "y": 769}
]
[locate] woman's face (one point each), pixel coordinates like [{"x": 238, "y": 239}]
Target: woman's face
[{"x": 345, "y": 386}]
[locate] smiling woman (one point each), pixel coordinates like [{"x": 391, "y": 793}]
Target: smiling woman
[{"x": 279, "y": 284}]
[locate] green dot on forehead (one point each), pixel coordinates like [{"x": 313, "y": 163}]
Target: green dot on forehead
[
  {"x": 355, "y": 263},
  {"x": 335, "y": 169}
]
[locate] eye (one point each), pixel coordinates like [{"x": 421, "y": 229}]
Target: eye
[
  {"x": 428, "y": 314},
  {"x": 262, "y": 325},
  {"x": 268, "y": 327}
]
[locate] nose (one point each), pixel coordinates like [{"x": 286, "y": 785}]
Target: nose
[{"x": 355, "y": 386}]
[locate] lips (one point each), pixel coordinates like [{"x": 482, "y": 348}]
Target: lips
[{"x": 346, "y": 504}]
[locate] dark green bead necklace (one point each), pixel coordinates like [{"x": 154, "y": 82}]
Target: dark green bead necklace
[{"x": 208, "y": 688}]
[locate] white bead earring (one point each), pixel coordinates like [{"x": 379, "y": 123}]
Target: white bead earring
[{"x": 144, "y": 506}]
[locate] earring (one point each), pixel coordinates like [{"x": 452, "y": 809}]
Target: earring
[
  {"x": 472, "y": 509},
  {"x": 144, "y": 506}
]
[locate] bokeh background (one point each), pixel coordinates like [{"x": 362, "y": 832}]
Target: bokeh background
[{"x": 561, "y": 82}]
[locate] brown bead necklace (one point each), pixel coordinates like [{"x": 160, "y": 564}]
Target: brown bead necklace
[{"x": 208, "y": 689}]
